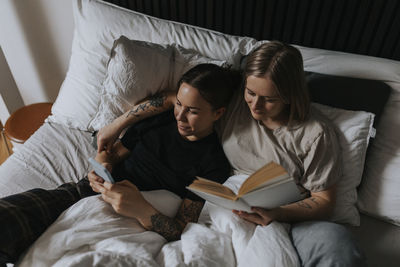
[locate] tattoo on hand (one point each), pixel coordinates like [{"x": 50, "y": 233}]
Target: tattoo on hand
[
  {"x": 171, "y": 229},
  {"x": 155, "y": 101}
]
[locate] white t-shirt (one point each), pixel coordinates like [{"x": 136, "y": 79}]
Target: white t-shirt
[{"x": 310, "y": 151}]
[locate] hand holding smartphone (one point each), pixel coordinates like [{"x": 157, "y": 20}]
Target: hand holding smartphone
[{"x": 101, "y": 171}]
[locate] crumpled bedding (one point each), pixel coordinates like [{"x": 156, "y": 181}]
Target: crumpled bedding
[
  {"x": 90, "y": 233},
  {"x": 53, "y": 155}
]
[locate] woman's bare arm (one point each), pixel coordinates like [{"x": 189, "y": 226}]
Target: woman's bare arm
[
  {"x": 126, "y": 200},
  {"x": 172, "y": 228},
  {"x": 318, "y": 206}
]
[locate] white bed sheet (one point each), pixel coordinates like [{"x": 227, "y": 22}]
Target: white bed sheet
[
  {"x": 53, "y": 155},
  {"x": 91, "y": 233}
]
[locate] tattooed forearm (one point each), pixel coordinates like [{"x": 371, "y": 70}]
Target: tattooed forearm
[
  {"x": 314, "y": 200},
  {"x": 304, "y": 204},
  {"x": 171, "y": 228},
  {"x": 189, "y": 211},
  {"x": 157, "y": 100},
  {"x": 154, "y": 102}
]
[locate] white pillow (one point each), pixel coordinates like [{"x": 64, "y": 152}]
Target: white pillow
[
  {"x": 354, "y": 129},
  {"x": 137, "y": 69},
  {"x": 97, "y": 25},
  {"x": 378, "y": 194}
]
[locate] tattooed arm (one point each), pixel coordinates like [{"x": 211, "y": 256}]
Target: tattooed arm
[
  {"x": 126, "y": 199},
  {"x": 146, "y": 108},
  {"x": 171, "y": 228},
  {"x": 317, "y": 207}
]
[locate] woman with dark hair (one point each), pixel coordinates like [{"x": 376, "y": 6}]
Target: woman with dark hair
[
  {"x": 271, "y": 120},
  {"x": 166, "y": 152}
]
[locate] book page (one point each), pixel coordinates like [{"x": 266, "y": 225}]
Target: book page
[
  {"x": 212, "y": 187},
  {"x": 270, "y": 173},
  {"x": 221, "y": 201},
  {"x": 275, "y": 195}
]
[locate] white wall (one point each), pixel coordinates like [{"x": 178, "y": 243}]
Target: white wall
[{"x": 36, "y": 39}]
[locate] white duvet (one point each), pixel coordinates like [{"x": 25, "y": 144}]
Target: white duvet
[{"x": 90, "y": 233}]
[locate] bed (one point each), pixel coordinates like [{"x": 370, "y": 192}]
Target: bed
[{"x": 351, "y": 53}]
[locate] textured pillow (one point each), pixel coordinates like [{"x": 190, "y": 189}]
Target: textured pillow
[
  {"x": 354, "y": 129},
  {"x": 137, "y": 69},
  {"x": 97, "y": 25}
]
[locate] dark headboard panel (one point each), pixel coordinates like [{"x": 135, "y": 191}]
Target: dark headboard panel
[{"x": 368, "y": 27}]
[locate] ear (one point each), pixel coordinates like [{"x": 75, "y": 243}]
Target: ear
[{"x": 218, "y": 113}]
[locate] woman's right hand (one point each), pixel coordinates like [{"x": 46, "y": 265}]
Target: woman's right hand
[
  {"x": 94, "y": 179},
  {"x": 107, "y": 136},
  {"x": 259, "y": 216}
]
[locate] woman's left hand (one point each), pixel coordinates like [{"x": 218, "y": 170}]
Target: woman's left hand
[
  {"x": 125, "y": 198},
  {"x": 259, "y": 216}
]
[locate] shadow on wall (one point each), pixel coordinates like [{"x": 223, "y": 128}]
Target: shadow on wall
[
  {"x": 41, "y": 43},
  {"x": 8, "y": 90}
]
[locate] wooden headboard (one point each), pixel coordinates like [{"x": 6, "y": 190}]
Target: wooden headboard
[{"x": 368, "y": 27}]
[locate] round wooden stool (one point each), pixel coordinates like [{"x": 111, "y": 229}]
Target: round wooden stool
[{"x": 25, "y": 121}]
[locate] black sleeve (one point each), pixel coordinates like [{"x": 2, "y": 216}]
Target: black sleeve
[
  {"x": 130, "y": 138},
  {"x": 216, "y": 169},
  {"x": 134, "y": 132},
  {"x": 192, "y": 196}
]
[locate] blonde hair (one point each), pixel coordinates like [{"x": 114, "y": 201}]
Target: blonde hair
[{"x": 283, "y": 64}]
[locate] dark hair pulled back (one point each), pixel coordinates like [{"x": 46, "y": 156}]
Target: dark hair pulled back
[{"x": 215, "y": 84}]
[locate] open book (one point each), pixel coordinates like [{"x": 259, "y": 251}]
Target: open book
[{"x": 269, "y": 187}]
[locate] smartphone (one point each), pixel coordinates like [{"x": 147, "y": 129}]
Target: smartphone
[{"x": 101, "y": 171}]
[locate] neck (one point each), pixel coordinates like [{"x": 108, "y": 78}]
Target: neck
[{"x": 274, "y": 123}]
